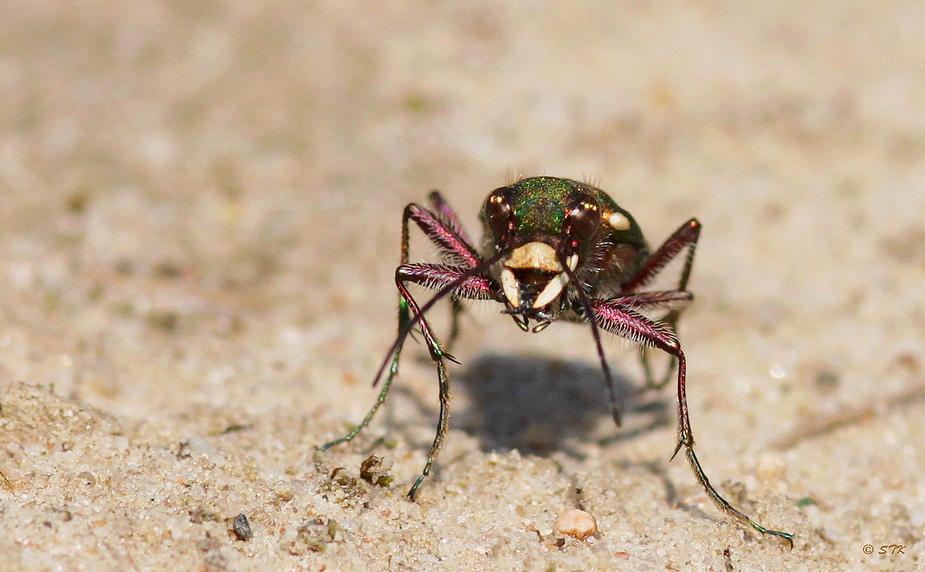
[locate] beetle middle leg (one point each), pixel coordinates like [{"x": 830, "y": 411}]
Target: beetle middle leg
[{"x": 685, "y": 237}]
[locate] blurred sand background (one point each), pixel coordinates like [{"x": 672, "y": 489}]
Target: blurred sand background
[{"x": 200, "y": 208}]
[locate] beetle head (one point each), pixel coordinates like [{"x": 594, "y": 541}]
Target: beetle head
[{"x": 543, "y": 225}]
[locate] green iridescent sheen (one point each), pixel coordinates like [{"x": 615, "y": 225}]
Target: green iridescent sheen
[{"x": 540, "y": 205}]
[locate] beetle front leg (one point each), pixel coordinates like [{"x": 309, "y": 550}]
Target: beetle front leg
[
  {"x": 435, "y": 277},
  {"x": 438, "y": 277},
  {"x": 618, "y": 317},
  {"x": 443, "y": 229}
]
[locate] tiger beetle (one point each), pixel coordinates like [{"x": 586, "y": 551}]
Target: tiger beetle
[{"x": 553, "y": 249}]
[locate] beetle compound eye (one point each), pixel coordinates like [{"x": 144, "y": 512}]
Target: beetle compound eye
[
  {"x": 585, "y": 217},
  {"x": 498, "y": 210}
]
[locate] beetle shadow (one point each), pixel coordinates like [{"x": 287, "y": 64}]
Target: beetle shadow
[{"x": 540, "y": 405}]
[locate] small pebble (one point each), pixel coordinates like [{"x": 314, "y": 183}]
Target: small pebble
[
  {"x": 241, "y": 527},
  {"x": 576, "y": 523}
]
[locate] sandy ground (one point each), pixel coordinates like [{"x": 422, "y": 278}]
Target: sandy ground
[{"x": 200, "y": 220}]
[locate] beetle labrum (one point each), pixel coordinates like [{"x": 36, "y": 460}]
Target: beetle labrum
[{"x": 553, "y": 249}]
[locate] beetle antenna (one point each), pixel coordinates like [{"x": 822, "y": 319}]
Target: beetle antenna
[{"x": 596, "y": 333}]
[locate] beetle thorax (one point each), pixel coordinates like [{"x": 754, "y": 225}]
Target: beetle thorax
[{"x": 533, "y": 277}]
